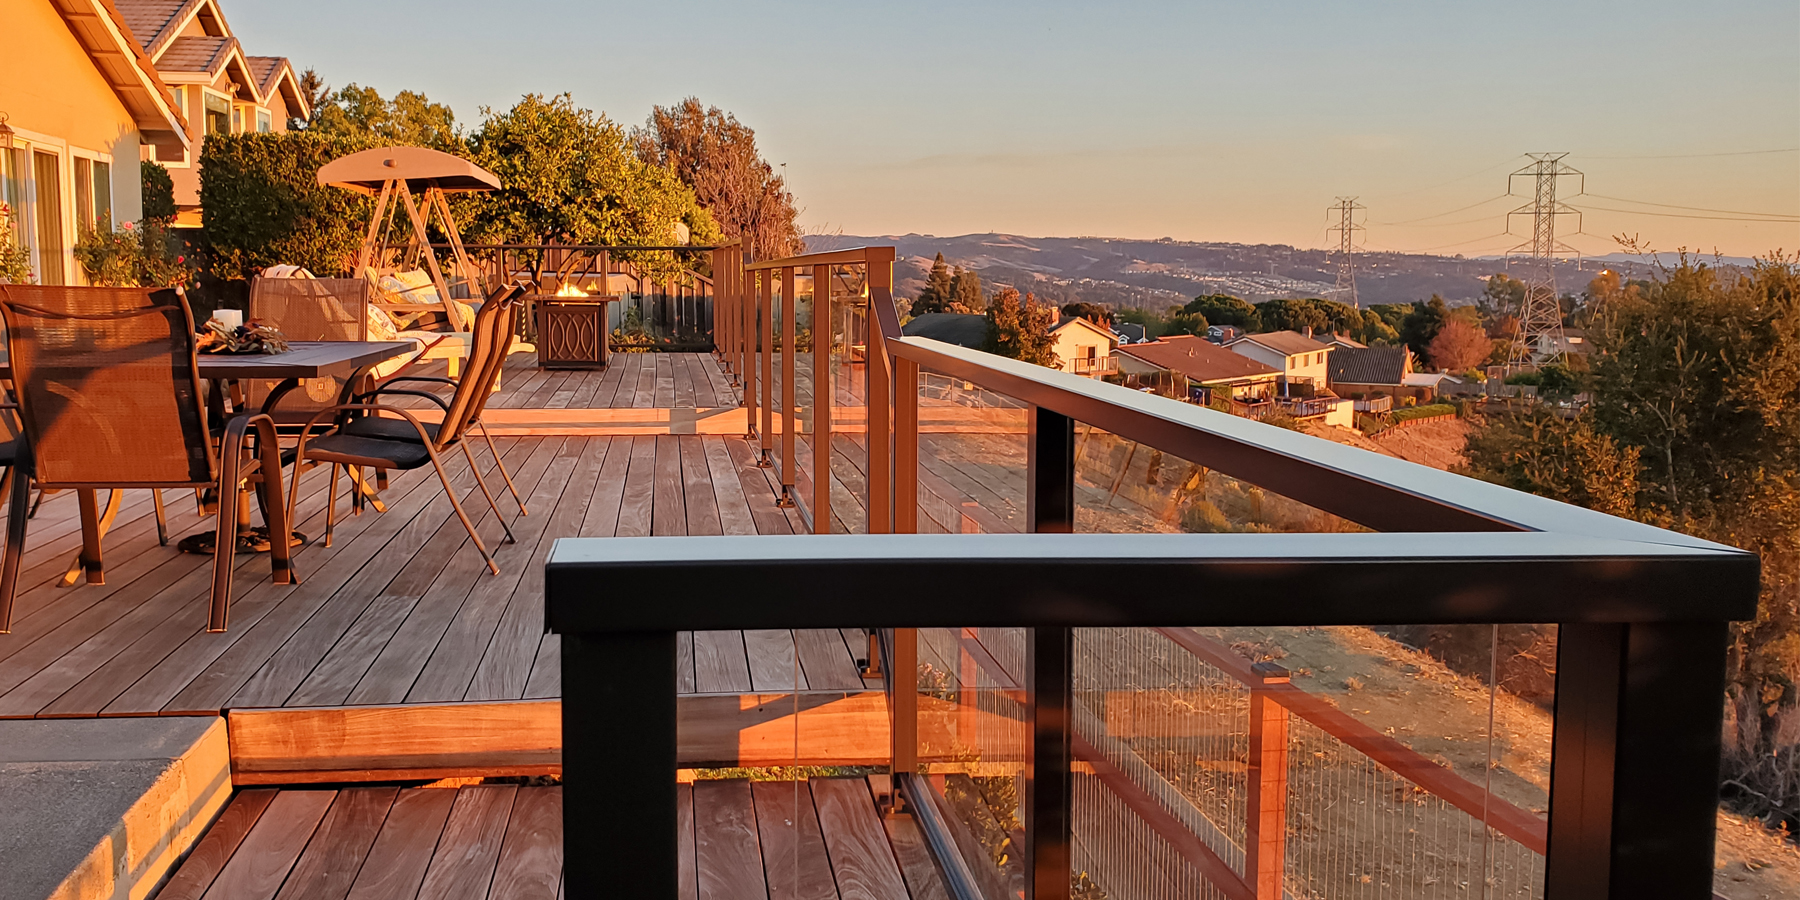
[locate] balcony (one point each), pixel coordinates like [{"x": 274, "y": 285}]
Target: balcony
[
  {"x": 1094, "y": 366},
  {"x": 1000, "y": 630}
]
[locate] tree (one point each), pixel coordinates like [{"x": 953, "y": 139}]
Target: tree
[
  {"x": 1093, "y": 312},
  {"x": 965, "y": 292},
  {"x": 713, "y": 153},
  {"x": 1502, "y": 295},
  {"x": 1459, "y": 346},
  {"x": 410, "y": 118},
  {"x": 1020, "y": 329},
  {"x": 1422, "y": 323},
  {"x": 158, "y": 192},
  {"x": 1224, "y": 309},
  {"x": 316, "y": 93},
  {"x": 1565, "y": 459},
  {"x": 568, "y": 175},
  {"x": 1293, "y": 315},
  {"x": 935, "y": 296},
  {"x": 264, "y": 204}
]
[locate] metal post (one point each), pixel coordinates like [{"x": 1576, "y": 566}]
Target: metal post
[
  {"x": 748, "y": 324},
  {"x": 1265, "y": 806},
  {"x": 609, "y": 680},
  {"x": 880, "y": 270},
  {"x": 1635, "y": 758},
  {"x": 1049, "y": 795},
  {"x": 821, "y": 384},
  {"x": 790, "y": 345},
  {"x": 906, "y": 447},
  {"x": 765, "y": 308}
]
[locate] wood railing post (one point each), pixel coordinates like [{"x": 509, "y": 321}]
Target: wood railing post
[
  {"x": 790, "y": 345},
  {"x": 1049, "y": 689},
  {"x": 821, "y": 385},
  {"x": 1265, "y": 805},
  {"x": 902, "y": 668},
  {"x": 880, "y": 269},
  {"x": 765, "y": 309}
]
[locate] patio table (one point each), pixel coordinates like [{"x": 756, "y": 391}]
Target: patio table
[{"x": 303, "y": 359}]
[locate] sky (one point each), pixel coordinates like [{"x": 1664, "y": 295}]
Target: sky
[{"x": 1200, "y": 121}]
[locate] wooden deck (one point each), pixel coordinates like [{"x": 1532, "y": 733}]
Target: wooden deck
[{"x": 763, "y": 840}]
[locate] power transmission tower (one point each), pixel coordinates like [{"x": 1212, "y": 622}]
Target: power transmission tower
[
  {"x": 1540, "y": 338},
  {"x": 1347, "y": 208}
]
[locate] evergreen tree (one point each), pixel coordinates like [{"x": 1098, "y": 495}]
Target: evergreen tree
[
  {"x": 1224, "y": 309},
  {"x": 935, "y": 298},
  {"x": 965, "y": 292},
  {"x": 1020, "y": 329}
]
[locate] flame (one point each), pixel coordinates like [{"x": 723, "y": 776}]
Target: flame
[{"x": 568, "y": 289}]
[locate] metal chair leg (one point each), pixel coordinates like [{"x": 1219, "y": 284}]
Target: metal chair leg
[
  {"x": 468, "y": 525},
  {"x": 162, "y": 521},
  {"x": 331, "y": 503},
  {"x": 501, "y": 464},
  {"x": 16, "y": 517},
  {"x": 473, "y": 467}
]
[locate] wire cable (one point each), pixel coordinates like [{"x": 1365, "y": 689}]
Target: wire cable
[
  {"x": 1640, "y": 212},
  {"x": 1702, "y": 155},
  {"x": 1509, "y": 161},
  {"x": 1443, "y": 214},
  {"x": 1728, "y": 212}
]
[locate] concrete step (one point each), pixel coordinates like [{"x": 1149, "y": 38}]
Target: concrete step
[{"x": 104, "y": 808}]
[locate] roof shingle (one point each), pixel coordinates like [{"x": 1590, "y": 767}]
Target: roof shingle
[
  {"x": 952, "y": 328},
  {"x": 191, "y": 53},
  {"x": 1289, "y": 343},
  {"x": 1200, "y": 360},
  {"x": 1367, "y": 365}
]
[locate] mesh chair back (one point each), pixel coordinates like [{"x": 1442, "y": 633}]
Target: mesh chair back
[
  {"x": 309, "y": 309},
  {"x": 493, "y": 336},
  {"x": 108, "y": 385}
]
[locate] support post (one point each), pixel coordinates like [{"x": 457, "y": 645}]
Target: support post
[
  {"x": 903, "y": 687},
  {"x": 1050, "y": 472},
  {"x": 765, "y": 310},
  {"x": 1635, "y": 758},
  {"x": 1265, "y": 805},
  {"x": 821, "y": 385},
  {"x": 748, "y": 326},
  {"x": 880, "y": 272},
  {"x": 619, "y": 795},
  {"x": 906, "y": 447},
  {"x": 790, "y": 346},
  {"x": 1049, "y": 788}
]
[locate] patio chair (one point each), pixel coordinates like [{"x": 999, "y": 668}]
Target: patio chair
[
  {"x": 110, "y": 396},
  {"x": 495, "y": 324},
  {"x": 377, "y": 448}
]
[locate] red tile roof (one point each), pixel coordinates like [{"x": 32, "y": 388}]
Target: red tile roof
[{"x": 1200, "y": 360}]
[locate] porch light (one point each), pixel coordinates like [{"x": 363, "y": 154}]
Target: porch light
[{"x": 6, "y": 133}]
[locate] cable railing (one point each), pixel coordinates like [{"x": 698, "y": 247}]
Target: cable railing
[{"x": 1137, "y": 648}]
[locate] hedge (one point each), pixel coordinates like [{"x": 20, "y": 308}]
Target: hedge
[
  {"x": 262, "y": 204},
  {"x": 1423, "y": 412}
]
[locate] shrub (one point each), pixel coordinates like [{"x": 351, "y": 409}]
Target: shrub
[
  {"x": 15, "y": 261},
  {"x": 158, "y": 192},
  {"x": 1424, "y": 412},
  {"x": 147, "y": 256},
  {"x": 264, "y": 206}
]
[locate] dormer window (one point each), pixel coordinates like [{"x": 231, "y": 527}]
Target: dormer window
[
  {"x": 265, "y": 122},
  {"x": 218, "y": 114}
]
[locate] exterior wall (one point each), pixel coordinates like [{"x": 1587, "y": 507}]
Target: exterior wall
[
  {"x": 1311, "y": 365},
  {"x": 1074, "y": 340},
  {"x": 58, "y": 103},
  {"x": 1246, "y": 388}
]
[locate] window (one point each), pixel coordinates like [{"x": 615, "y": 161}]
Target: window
[
  {"x": 47, "y": 174},
  {"x": 84, "y": 194},
  {"x": 265, "y": 122},
  {"x": 218, "y": 114},
  {"x": 103, "y": 209}
]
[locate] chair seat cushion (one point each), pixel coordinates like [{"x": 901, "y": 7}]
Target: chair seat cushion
[
  {"x": 389, "y": 429},
  {"x": 357, "y": 450}
]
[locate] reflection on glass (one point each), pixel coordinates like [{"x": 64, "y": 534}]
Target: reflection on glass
[
  {"x": 1125, "y": 487},
  {"x": 971, "y": 458}
]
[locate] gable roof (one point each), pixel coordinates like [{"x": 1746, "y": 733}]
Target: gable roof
[
  {"x": 1287, "y": 343},
  {"x": 103, "y": 32},
  {"x": 961, "y": 329},
  {"x": 1200, "y": 360},
  {"x": 1082, "y": 322},
  {"x": 275, "y": 73},
  {"x": 197, "y": 55},
  {"x": 157, "y": 23},
  {"x": 1367, "y": 365},
  {"x": 1129, "y": 333}
]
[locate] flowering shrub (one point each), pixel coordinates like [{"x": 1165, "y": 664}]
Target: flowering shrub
[
  {"x": 15, "y": 261},
  {"x": 147, "y": 256}
]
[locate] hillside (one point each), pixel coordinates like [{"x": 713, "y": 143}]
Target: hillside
[{"x": 1153, "y": 274}]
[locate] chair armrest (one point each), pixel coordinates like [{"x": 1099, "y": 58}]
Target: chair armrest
[
  {"x": 435, "y": 379},
  {"x": 380, "y": 391}
]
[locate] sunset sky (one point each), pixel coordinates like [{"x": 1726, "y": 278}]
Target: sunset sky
[{"x": 1199, "y": 121}]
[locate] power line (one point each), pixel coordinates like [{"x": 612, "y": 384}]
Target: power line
[
  {"x": 1450, "y": 213},
  {"x": 1507, "y": 162},
  {"x": 1728, "y": 212},
  {"x": 1346, "y": 208},
  {"x": 1640, "y": 212},
  {"x": 1703, "y": 155},
  {"x": 1540, "y": 338}
]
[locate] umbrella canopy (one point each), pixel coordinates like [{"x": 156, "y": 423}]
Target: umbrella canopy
[{"x": 420, "y": 167}]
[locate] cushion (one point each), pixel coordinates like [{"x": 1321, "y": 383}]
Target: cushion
[
  {"x": 389, "y": 429},
  {"x": 412, "y": 287},
  {"x": 355, "y": 450}
]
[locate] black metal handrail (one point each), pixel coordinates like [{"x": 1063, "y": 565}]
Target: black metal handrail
[{"x": 1642, "y": 611}]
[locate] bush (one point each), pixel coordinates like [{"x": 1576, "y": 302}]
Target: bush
[
  {"x": 264, "y": 206},
  {"x": 133, "y": 257},
  {"x": 158, "y": 192},
  {"x": 15, "y": 261},
  {"x": 1424, "y": 412}
]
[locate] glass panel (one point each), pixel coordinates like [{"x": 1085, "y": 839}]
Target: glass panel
[
  {"x": 103, "y": 209},
  {"x": 1125, "y": 487},
  {"x": 218, "y": 114},
  {"x": 47, "y": 173},
  {"x": 84, "y": 194},
  {"x": 265, "y": 122},
  {"x": 971, "y": 476},
  {"x": 1346, "y": 762}
]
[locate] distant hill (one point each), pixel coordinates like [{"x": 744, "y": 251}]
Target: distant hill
[{"x": 1154, "y": 274}]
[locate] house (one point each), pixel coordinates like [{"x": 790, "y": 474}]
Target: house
[
  {"x": 1374, "y": 372},
  {"x": 961, "y": 329},
  {"x": 1129, "y": 333},
  {"x": 82, "y": 104},
  {"x": 1190, "y": 368},
  {"x": 1083, "y": 348},
  {"x": 1347, "y": 342},
  {"x": 1574, "y": 343},
  {"x": 218, "y": 87},
  {"x": 1299, "y": 358},
  {"x": 1223, "y": 334}
]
